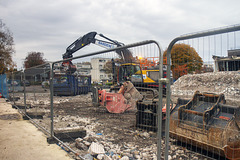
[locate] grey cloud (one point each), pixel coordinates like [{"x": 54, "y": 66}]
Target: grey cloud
[{"x": 50, "y": 26}]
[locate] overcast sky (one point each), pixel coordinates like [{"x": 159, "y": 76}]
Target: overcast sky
[{"x": 50, "y": 26}]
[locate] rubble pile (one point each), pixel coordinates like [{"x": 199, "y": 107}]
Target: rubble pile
[
  {"x": 227, "y": 83},
  {"x": 103, "y": 150},
  {"x": 42, "y": 99},
  {"x": 101, "y": 145}
]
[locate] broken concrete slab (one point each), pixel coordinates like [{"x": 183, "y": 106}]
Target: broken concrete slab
[{"x": 96, "y": 149}]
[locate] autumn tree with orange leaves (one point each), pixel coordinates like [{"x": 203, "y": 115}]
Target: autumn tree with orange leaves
[
  {"x": 6, "y": 49},
  {"x": 185, "y": 59}
]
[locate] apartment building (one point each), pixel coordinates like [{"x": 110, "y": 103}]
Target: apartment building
[
  {"x": 83, "y": 68},
  {"x": 98, "y": 72}
]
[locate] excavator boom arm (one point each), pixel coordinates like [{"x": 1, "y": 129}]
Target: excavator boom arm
[
  {"x": 79, "y": 43},
  {"x": 90, "y": 38}
]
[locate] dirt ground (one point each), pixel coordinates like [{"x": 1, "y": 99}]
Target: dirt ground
[
  {"x": 77, "y": 111},
  {"x": 116, "y": 132},
  {"x": 19, "y": 139}
]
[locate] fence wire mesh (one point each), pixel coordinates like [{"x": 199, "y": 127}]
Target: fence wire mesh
[
  {"x": 84, "y": 111},
  {"x": 105, "y": 117},
  {"x": 75, "y": 103},
  {"x": 203, "y": 120}
]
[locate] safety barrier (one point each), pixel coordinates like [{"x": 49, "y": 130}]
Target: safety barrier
[
  {"x": 205, "y": 95},
  {"x": 57, "y": 102},
  {"x": 184, "y": 108}
]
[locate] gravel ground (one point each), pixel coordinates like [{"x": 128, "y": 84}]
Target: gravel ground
[{"x": 115, "y": 135}]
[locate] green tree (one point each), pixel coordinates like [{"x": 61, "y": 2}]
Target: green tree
[
  {"x": 185, "y": 59},
  {"x": 34, "y": 59},
  {"x": 6, "y": 49}
]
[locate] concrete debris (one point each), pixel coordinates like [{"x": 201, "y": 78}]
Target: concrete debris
[
  {"x": 87, "y": 143},
  {"x": 96, "y": 148},
  {"x": 100, "y": 156},
  {"x": 80, "y": 145},
  {"x": 106, "y": 157},
  {"x": 125, "y": 158},
  {"x": 213, "y": 82},
  {"x": 88, "y": 157},
  {"x": 145, "y": 134}
]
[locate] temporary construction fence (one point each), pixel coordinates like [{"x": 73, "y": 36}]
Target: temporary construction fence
[
  {"x": 204, "y": 115},
  {"x": 199, "y": 119},
  {"x": 74, "y": 118}
]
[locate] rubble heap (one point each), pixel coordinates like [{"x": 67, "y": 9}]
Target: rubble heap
[{"x": 214, "y": 82}]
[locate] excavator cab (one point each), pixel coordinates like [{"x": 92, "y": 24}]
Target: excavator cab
[{"x": 130, "y": 72}]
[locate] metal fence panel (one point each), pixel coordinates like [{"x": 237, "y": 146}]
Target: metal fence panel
[
  {"x": 77, "y": 109},
  {"x": 68, "y": 109},
  {"x": 109, "y": 129},
  {"x": 203, "y": 120}
]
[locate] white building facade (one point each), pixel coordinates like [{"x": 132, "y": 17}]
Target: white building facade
[
  {"x": 83, "y": 68},
  {"x": 98, "y": 72}
]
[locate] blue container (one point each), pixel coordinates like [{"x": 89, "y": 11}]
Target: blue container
[
  {"x": 65, "y": 85},
  {"x": 84, "y": 84},
  {"x": 70, "y": 85}
]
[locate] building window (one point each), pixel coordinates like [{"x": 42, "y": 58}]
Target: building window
[{"x": 102, "y": 60}]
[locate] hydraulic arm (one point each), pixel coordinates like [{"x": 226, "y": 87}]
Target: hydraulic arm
[{"x": 88, "y": 39}]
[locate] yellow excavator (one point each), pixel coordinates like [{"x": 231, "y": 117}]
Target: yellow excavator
[{"x": 128, "y": 70}]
